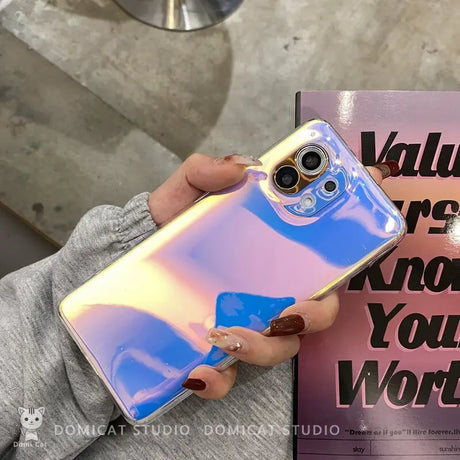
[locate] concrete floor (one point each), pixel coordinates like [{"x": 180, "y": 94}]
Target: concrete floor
[
  {"x": 63, "y": 150},
  {"x": 141, "y": 94}
]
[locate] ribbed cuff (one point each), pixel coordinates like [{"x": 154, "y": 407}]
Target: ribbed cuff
[{"x": 136, "y": 223}]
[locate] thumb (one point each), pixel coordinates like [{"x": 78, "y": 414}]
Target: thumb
[{"x": 198, "y": 174}]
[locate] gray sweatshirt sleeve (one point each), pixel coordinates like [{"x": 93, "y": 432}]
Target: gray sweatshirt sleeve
[
  {"x": 42, "y": 369},
  {"x": 40, "y": 364}
]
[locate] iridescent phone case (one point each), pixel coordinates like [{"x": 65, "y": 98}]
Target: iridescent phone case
[{"x": 238, "y": 257}]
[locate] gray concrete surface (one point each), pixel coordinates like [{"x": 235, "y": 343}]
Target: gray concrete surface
[
  {"x": 62, "y": 150},
  {"x": 225, "y": 89}
]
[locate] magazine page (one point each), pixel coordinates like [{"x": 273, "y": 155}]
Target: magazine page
[{"x": 383, "y": 382}]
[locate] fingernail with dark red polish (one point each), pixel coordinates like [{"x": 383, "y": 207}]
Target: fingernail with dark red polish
[
  {"x": 287, "y": 325},
  {"x": 194, "y": 384},
  {"x": 388, "y": 168}
]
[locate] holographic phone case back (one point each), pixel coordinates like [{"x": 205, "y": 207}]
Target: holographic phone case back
[{"x": 233, "y": 258}]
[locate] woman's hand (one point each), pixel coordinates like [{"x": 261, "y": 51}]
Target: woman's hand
[{"x": 197, "y": 175}]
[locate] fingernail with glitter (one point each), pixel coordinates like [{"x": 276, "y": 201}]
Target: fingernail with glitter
[
  {"x": 226, "y": 340},
  {"x": 244, "y": 160},
  {"x": 388, "y": 168},
  {"x": 288, "y": 325}
]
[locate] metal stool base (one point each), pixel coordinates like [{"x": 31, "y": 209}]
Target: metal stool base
[{"x": 180, "y": 15}]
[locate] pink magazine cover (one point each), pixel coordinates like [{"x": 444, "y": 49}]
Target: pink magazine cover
[{"x": 383, "y": 382}]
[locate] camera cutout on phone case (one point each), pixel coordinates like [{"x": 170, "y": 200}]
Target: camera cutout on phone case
[{"x": 299, "y": 174}]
